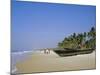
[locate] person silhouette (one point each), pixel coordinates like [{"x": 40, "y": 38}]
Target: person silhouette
[
  {"x": 49, "y": 51},
  {"x": 44, "y": 51}
]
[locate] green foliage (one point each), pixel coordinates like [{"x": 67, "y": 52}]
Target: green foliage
[{"x": 80, "y": 41}]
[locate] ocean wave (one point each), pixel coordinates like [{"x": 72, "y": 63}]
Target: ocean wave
[
  {"x": 22, "y": 52},
  {"x": 14, "y": 70},
  {"x": 18, "y": 57}
]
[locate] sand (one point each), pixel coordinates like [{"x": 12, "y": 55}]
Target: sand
[{"x": 40, "y": 62}]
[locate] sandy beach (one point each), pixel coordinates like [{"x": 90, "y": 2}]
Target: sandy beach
[{"x": 40, "y": 62}]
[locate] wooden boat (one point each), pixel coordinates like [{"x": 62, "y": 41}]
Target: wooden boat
[{"x": 72, "y": 52}]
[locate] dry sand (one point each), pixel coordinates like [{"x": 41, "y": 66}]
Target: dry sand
[{"x": 40, "y": 62}]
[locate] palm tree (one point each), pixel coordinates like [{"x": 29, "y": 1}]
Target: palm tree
[
  {"x": 92, "y": 37},
  {"x": 74, "y": 35},
  {"x": 84, "y": 39},
  {"x": 92, "y": 33},
  {"x": 60, "y": 45},
  {"x": 81, "y": 40}
]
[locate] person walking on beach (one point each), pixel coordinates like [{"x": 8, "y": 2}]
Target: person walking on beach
[
  {"x": 44, "y": 51},
  {"x": 47, "y": 51}
]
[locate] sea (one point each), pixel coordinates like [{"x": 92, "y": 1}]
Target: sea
[{"x": 18, "y": 56}]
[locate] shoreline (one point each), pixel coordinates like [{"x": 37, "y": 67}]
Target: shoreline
[{"x": 40, "y": 62}]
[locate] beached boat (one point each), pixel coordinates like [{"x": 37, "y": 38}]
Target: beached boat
[{"x": 72, "y": 52}]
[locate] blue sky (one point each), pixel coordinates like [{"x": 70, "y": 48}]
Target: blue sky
[{"x": 43, "y": 25}]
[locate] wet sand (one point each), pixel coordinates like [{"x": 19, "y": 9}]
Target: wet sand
[{"x": 40, "y": 62}]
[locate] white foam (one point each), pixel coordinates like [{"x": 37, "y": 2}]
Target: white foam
[{"x": 13, "y": 71}]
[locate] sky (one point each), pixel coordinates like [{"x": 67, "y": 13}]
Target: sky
[{"x": 36, "y": 25}]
